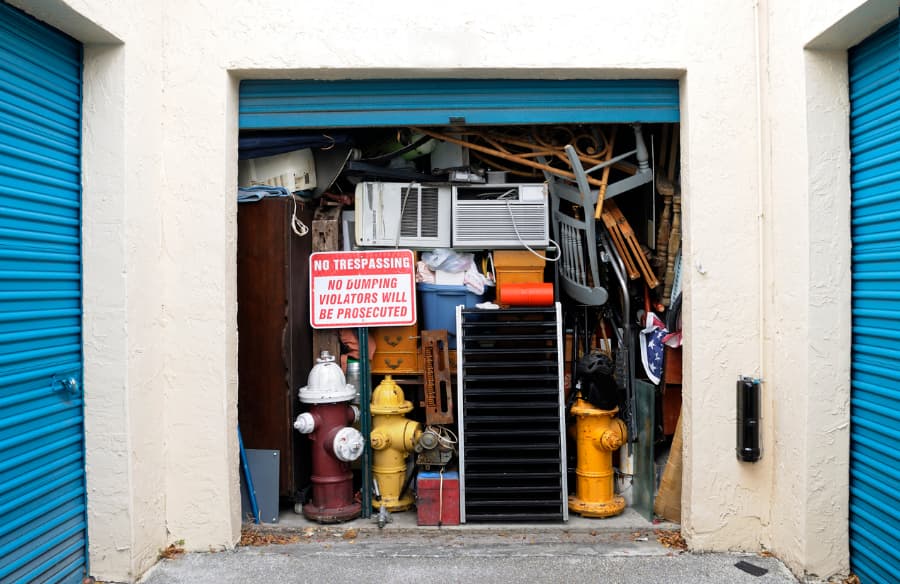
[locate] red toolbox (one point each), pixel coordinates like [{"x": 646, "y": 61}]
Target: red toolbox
[{"x": 437, "y": 498}]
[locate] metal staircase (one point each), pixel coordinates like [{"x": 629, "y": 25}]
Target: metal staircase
[{"x": 511, "y": 415}]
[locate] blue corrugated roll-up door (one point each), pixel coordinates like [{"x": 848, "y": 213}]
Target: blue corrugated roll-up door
[
  {"x": 42, "y": 481},
  {"x": 874, "y": 67},
  {"x": 282, "y": 103}
]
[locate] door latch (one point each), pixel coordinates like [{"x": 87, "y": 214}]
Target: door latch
[{"x": 67, "y": 385}]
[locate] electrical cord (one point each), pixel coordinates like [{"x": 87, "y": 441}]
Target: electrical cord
[
  {"x": 297, "y": 224},
  {"x": 522, "y": 241}
]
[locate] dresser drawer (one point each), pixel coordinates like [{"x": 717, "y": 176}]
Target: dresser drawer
[
  {"x": 396, "y": 338},
  {"x": 396, "y": 349},
  {"x": 396, "y": 362}
]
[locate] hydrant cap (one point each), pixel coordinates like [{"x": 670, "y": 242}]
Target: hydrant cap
[
  {"x": 388, "y": 398},
  {"x": 326, "y": 384},
  {"x": 348, "y": 444}
]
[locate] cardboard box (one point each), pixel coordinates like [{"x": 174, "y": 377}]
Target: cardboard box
[{"x": 517, "y": 266}]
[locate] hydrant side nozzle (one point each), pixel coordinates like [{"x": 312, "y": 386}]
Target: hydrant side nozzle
[
  {"x": 305, "y": 423},
  {"x": 355, "y": 410},
  {"x": 613, "y": 437},
  {"x": 348, "y": 444},
  {"x": 411, "y": 435},
  {"x": 380, "y": 440}
]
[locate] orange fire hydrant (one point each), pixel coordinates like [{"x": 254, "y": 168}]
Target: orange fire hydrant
[
  {"x": 599, "y": 434},
  {"x": 393, "y": 438}
]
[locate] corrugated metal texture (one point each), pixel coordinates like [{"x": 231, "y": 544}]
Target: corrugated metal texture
[
  {"x": 42, "y": 488},
  {"x": 875, "y": 388},
  {"x": 267, "y": 104}
]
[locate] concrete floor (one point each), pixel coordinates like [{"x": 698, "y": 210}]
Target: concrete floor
[
  {"x": 622, "y": 549},
  {"x": 501, "y": 557},
  {"x": 629, "y": 519}
]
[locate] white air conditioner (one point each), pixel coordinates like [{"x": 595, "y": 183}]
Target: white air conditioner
[
  {"x": 494, "y": 216},
  {"x": 402, "y": 215},
  {"x": 295, "y": 171}
]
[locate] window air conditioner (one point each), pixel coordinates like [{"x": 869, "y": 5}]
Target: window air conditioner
[
  {"x": 491, "y": 216},
  {"x": 402, "y": 215}
]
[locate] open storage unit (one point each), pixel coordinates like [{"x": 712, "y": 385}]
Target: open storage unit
[{"x": 493, "y": 182}]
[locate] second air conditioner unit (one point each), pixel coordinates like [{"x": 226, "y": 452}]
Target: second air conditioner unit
[
  {"x": 492, "y": 216},
  {"x": 408, "y": 215}
]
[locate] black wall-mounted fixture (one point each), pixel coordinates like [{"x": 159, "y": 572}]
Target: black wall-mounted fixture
[{"x": 749, "y": 446}]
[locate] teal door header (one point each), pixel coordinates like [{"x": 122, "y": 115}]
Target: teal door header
[{"x": 273, "y": 104}]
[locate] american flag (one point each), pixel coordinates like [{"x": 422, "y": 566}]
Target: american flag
[{"x": 652, "y": 344}]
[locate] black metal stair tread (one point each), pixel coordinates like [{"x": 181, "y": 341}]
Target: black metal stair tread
[
  {"x": 521, "y": 435},
  {"x": 512, "y": 428},
  {"x": 476, "y": 417},
  {"x": 475, "y": 434},
  {"x": 473, "y": 329},
  {"x": 509, "y": 517},
  {"x": 535, "y": 464},
  {"x": 514, "y": 403},
  {"x": 506, "y": 385},
  {"x": 512, "y": 489},
  {"x": 511, "y": 407},
  {"x": 520, "y": 351},
  {"x": 511, "y": 371},
  {"x": 479, "y": 450},
  {"x": 549, "y": 385},
  {"x": 505, "y": 462},
  {"x": 516, "y": 503},
  {"x": 473, "y": 477},
  {"x": 542, "y": 331},
  {"x": 512, "y": 391},
  {"x": 475, "y": 450},
  {"x": 529, "y": 364},
  {"x": 531, "y": 338}
]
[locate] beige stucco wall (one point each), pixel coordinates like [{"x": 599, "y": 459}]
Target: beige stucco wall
[{"x": 766, "y": 221}]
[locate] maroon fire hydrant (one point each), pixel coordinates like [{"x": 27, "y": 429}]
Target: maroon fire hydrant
[{"x": 335, "y": 443}]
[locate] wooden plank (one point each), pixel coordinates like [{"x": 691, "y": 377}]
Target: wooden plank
[
  {"x": 438, "y": 386},
  {"x": 668, "y": 498},
  {"x": 326, "y": 236}
]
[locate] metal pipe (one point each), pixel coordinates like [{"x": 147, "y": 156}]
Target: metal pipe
[
  {"x": 619, "y": 269},
  {"x": 248, "y": 479},
  {"x": 365, "y": 418}
]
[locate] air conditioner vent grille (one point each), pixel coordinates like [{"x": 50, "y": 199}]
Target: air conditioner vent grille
[
  {"x": 402, "y": 215},
  {"x": 499, "y": 223},
  {"x": 420, "y": 212}
]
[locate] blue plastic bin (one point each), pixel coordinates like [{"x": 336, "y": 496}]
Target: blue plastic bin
[{"x": 438, "y": 304}]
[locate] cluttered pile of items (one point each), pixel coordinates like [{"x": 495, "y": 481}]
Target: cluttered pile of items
[{"x": 547, "y": 269}]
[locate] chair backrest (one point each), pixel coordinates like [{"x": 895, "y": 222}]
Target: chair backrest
[{"x": 575, "y": 234}]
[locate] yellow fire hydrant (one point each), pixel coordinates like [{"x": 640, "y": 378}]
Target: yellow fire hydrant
[
  {"x": 599, "y": 434},
  {"x": 393, "y": 438}
]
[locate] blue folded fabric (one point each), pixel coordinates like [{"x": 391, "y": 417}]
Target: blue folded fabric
[{"x": 259, "y": 192}]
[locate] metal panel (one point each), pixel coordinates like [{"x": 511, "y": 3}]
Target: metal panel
[
  {"x": 644, "y": 465},
  {"x": 875, "y": 387},
  {"x": 283, "y": 103},
  {"x": 42, "y": 489},
  {"x": 264, "y": 466}
]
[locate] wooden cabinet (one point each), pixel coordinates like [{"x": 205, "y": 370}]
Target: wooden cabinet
[
  {"x": 274, "y": 336},
  {"x": 671, "y": 389}
]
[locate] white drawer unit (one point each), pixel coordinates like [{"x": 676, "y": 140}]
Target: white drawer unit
[{"x": 492, "y": 216}]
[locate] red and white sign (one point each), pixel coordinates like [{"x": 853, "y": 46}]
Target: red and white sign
[{"x": 362, "y": 288}]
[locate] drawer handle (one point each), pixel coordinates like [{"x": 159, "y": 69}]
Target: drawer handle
[
  {"x": 393, "y": 341},
  {"x": 395, "y": 365}
]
